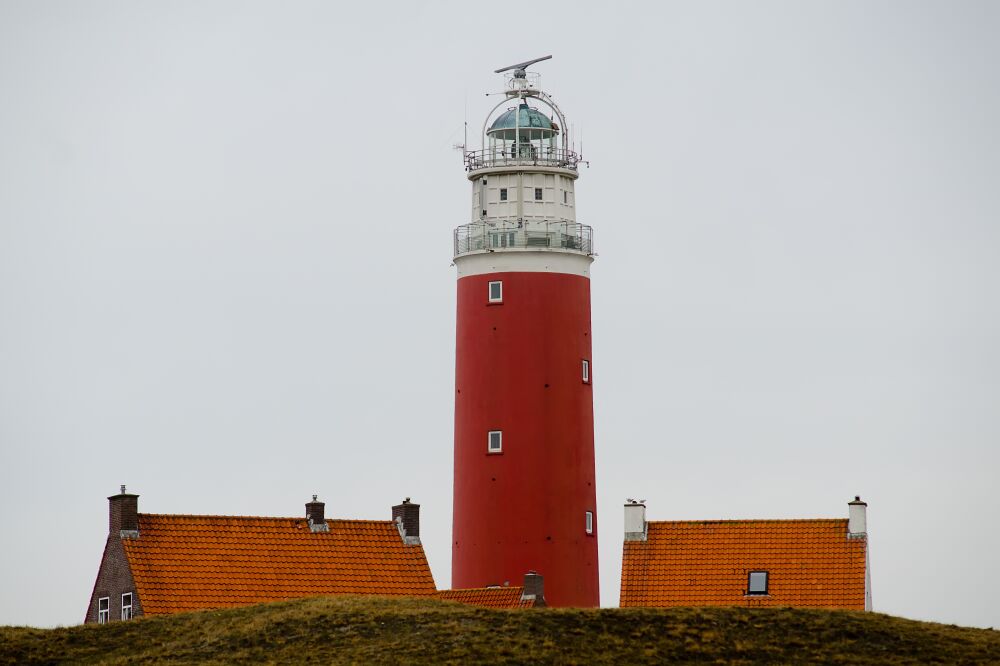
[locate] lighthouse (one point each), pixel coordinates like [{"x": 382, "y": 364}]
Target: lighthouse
[{"x": 525, "y": 492}]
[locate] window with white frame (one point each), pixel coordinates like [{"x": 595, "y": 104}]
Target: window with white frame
[
  {"x": 757, "y": 582},
  {"x": 496, "y": 291},
  {"x": 103, "y": 610},
  {"x": 127, "y": 606},
  {"x": 538, "y": 194},
  {"x": 586, "y": 371},
  {"x": 589, "y": 522},
  {"x": 494, "y": 441}
]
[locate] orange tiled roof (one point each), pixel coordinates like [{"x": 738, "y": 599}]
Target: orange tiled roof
[
  {"x": 705, "y": 563},
  {"x": 489, "y": 597},
  {"x": 182, "y": 563}
]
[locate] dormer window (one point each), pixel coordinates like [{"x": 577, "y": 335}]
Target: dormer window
[{"x": 757, "y": 582}]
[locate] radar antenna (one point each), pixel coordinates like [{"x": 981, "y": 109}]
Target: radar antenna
[{"x": 521, "y": 66}]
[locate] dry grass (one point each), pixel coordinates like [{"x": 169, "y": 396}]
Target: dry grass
[{"x": 380, "y": 630}]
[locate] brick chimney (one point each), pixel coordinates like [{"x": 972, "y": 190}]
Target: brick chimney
[
  {"x": 407, "y": 519},
  {"x": 635, "y": 520},
  {"x": 534, "y": 588},
  {"x": 123, "y": 514},
  {"x": 315, "y": 516},
  {"x": 857, "y": 517}
]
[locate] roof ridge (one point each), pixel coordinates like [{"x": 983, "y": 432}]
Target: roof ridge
[
  {"x": 751, "y": 520},
  {"x": 487, "y": 588},
  {"x": 213, "y": 515}
]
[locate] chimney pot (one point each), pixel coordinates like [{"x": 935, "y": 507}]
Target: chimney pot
[
  {"x": 534, "y": 588},
  {"x": 123, "y": 514},
  {"x": 635, "y": 520},
  {"x": 857, "y": 517},
  {"x": 316, "y": 515},
  {"x": 407, "y": 518}
]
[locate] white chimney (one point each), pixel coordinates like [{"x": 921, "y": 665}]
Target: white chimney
[
  {"x": 635, "y": 520},
  {"x": 857, "y": 517}
]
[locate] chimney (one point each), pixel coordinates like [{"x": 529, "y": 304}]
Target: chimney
[
  {"x": 635, "y": 520},
  {"x": 534, "y": 588},
  {"x": 123, "y": 514},
  {"x": 857, "y": 517},
  {"x": 314, "y": 516},
  {"x": 407, "y": 519}
]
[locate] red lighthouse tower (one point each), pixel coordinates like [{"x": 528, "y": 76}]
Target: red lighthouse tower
[{"x": 524, "y": 415}]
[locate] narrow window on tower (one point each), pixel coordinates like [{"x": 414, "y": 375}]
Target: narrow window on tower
[
  {"x": 127, "y": 606},
  {"x": 586, "y": 371},
  {"x": 103, "y": 610},
  {"x": 565, "y": 196},
  {"x": 494, "y": 442},
  {"x": 538, "y": 194},
  {"x": 496, "y": 292},
  {"x": 503, "y": 194},
  {"x": 590, "y": 522}
]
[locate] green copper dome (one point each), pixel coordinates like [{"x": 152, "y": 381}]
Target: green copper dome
[{"x": 523, "y": 117}]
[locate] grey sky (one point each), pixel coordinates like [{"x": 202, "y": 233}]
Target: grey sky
[{"x": 225, "y": 237}]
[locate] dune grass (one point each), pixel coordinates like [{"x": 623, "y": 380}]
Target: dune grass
[{"x": 382, "y": 630}]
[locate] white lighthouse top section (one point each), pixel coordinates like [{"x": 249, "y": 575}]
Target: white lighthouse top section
[
  {"x": 524, "y": 185},
  {"x": 526, "y": 128}
]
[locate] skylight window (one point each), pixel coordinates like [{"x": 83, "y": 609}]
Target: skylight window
[{"x": 757, "y": 582}]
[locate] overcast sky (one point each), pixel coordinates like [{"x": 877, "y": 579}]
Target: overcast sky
[{"x": 225, "y": 246}]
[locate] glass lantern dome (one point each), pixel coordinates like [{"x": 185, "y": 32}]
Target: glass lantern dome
[{"x": 523, "y": 133}]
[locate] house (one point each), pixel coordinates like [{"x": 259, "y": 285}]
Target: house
[
  {"x": 529, "y": 595},
  {"x": 156, "y": 564},
  {"x": 818, "y": 563}
]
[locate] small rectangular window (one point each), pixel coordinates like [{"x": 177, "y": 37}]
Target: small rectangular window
[
  {"x": 127, "y": 606},
  {"x": 590, "y": 522},
  {"x": 503, "y": 194},
  {"x": 538, "y": 194},
  {"x": 586, "y": 371},
  {"x": 494, "y": 442},
  {"x": 757, "y": 582},
  {"x": 565, "y": 196},
  {"x": 496, "y": 292},
  {"x": 103, "y": 610}
]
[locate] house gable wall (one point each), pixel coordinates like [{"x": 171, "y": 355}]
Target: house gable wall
[{"x": 114, "y": 579}]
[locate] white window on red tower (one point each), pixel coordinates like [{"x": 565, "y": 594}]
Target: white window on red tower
[
  {"x": 494, "y": 441},
  {"x": 589, "y": 522},
  {"x": 586, "y": 371},
  {"x": 496, "y": 291}
]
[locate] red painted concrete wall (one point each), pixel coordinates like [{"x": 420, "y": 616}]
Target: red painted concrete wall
[{"x": 518, "y": 369}]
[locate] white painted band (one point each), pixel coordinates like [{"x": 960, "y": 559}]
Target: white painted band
[{"x": 524, "y": 261}]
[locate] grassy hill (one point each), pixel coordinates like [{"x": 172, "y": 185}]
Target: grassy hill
[{"x": 378, "y": 630}]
